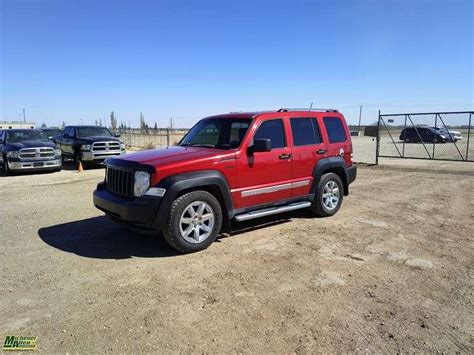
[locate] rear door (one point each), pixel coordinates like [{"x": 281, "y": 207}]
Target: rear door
[
  {"x": 338, "y": 138},
  {"x": 265, "y": 177},
  {"x": 308, "y": 148}
]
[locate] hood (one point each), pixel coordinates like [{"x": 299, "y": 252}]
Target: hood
[
  {"x": 29, "y": 144},
  {"x": 93, "y": 139},
  {"x": 176, "y": 156}
]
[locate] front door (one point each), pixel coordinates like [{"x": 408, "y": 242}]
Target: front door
[{"x": 265, "y": 177}]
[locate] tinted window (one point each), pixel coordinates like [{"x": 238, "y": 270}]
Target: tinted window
[
  {"x": 335, "y": 129},
  {"x": 16, "y": 136},
  {"x": 272, "y": 130},
  {"x": 92, "y": 131},
  {"x": 305, "y": 131}
]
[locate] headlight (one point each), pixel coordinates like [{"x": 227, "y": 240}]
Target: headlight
[
  {"x": 122, "y": 146},
  {"x": 86, "y": 147},
  {"x": 13, "y": 154},
  {"x": 142, "y": 183},
  {"x": 57, "y": 151}
]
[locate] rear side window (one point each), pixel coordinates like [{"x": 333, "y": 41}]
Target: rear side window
[
  {"x": 305, "y": 131},
  {"x": 335, "y": 129},
  {"x": 272, "y": 130}
]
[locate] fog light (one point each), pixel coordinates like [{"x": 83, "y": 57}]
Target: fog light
[{"x": 155, "y": 191}]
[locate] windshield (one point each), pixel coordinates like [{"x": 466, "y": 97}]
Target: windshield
[
  {"x": 26, "y": 135},
  {"x": 52, "y": 131},
  {"x": 92, "y": 131},
  {"x": 220, "y": 133}
]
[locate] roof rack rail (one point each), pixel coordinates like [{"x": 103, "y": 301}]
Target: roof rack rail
[{"x": 285, "y": 109}]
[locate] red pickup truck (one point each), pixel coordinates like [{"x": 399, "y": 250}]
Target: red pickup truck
[{"x": 231, "y": 167}]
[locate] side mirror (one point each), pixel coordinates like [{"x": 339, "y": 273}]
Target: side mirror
[
  {"x": 117, "y": 135},
  {"x": 261, "y": 145}
]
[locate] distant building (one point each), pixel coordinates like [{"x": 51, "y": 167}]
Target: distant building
[{"x": 17, "y": 124}]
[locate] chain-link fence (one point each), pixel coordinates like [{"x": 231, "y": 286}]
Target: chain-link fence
[{"x": 433, "y": 136}]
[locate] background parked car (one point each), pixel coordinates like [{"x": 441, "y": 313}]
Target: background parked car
[
  {"x": 423, "y": 134},
  {"x": 89, "y": 144},
  {"x": 28, "y": 149},
  {"x": 453, "y": 136}
]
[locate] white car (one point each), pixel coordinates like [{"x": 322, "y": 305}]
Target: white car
[{"x": 453, "y": 135}]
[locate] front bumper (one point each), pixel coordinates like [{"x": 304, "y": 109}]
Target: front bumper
[
  {"x": 139, "y": 212},
  {"x": 101, "y": 155},
  {"x": 34, "y": 164}
]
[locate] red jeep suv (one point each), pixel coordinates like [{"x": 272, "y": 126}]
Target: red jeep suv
[{"x": 231, "y": 167}]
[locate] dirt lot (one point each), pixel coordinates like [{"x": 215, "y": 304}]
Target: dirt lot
[{"x": 392, "y": 271}]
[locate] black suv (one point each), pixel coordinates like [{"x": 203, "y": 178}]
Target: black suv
[{"x": 423, "y": 134}]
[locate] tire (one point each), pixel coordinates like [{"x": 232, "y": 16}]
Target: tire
[
  {"x": 6, "y": 169},
  {"x": 185, "y": 236},
  {"x": 332, "y": 184}
]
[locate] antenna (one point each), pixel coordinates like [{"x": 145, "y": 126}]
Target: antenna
[{"x": 311, "y": 106}]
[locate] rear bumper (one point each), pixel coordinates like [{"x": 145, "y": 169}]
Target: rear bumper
[
  {"x": 351, "y": 174},
  {"x": 34, "y": 165},
  {"x": 139, "y": 212}
]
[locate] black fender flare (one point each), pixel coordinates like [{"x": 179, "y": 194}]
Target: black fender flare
[
  {"x": 324, "y": 165},
  {"x": 175, "y": 184}
]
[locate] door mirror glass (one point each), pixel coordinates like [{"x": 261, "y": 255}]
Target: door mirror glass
[
  {"x": 117, "y": 135},
  {"x": 262, "y": 145}
]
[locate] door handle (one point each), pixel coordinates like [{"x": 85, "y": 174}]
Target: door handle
[
  {"x": 321, "y": 151},
  {"x": 285, "y": 156}
]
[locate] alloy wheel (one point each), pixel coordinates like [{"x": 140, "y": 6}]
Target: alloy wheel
[
  {"x": 197, "y": 222},
  {"x": 331, "y": 195}
]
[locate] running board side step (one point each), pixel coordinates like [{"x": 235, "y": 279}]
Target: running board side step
[{"x": 272, "y": 210}]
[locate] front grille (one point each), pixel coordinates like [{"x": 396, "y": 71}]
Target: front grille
[
  {"x": 106, "y": 146},
  {"x": 119, "y": 181},
  {"x": 36, "y": 153}
]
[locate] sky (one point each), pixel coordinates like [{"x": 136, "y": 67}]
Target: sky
[{"x": 76, "y": 61}]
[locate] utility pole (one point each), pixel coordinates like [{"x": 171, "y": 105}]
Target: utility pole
[
  {"x": 171, "y": 122},
  {"x": 360, "y": 118},
  {"x": 24, "y": 116}
]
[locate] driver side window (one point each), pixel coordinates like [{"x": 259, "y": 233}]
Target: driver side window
[{"x": 274, "y": 131}]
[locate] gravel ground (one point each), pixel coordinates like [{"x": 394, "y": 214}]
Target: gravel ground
[{"x": 391, "y": 272}]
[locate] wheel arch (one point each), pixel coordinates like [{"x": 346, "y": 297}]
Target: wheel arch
[
  {"x": 211, "y": 181},
  {"x": 334, "y": 165}
]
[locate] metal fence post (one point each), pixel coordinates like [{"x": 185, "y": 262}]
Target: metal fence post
[
  {"x": 377, "y": 144},
  {"x": 468, "y": 135},
  {"x": 436, "y": 126}
]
